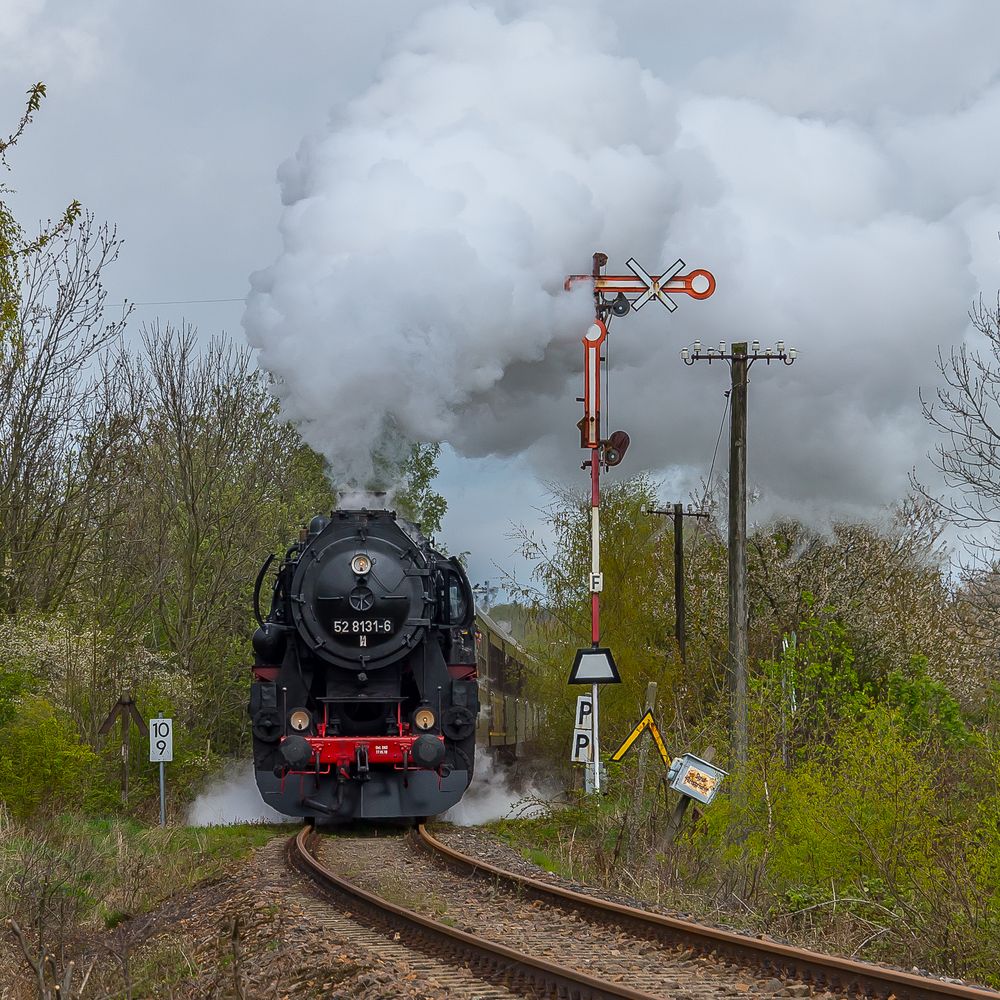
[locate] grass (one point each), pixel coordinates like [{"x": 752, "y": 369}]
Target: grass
[
  {"x": 164, "y": 964},
  {"x": 106, "y": 869},
  {"x": 553, "y": 841}
]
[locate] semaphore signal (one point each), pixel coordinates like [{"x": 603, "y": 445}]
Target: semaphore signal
[
  {"x": 698, "y": 284},
  {"x": 608, "y": 452}
]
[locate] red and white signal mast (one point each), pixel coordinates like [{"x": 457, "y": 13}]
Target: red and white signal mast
[{"x": 596, "y": 665}]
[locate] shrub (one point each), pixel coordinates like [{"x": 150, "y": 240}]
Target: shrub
[{"x": 44, "y": 765}]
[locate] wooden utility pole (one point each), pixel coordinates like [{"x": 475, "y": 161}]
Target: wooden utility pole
[
  {"x": 640, "y": 782},
  {"x": 739, "y": 360},
  {"x": 737, "y": 666},
  {"x": 680, "y": 628}
]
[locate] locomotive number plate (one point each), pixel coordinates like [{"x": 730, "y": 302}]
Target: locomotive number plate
[{"x": 362, "y": 626}]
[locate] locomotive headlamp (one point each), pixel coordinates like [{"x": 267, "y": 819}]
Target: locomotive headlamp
[
  {"x": 423, "y": 719},
  {"x": 300, "y": 720},
  {"x": 361, "y": 564}
]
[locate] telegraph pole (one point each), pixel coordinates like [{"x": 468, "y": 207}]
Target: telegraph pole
[
  {"x": 679, "y": 513},
  {"x": 739, "y": 360},
  {"x": 738, "y": 643}
]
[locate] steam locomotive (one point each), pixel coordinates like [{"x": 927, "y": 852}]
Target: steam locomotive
[{"x": 365, "y": 696}]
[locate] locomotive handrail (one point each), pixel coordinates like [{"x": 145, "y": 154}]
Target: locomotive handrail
[
  {"x": 256, "y": 589},
  {"x": 467, "y": 594}
]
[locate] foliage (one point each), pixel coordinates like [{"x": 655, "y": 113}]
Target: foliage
[
  {"x": 402, "y": 470},
  {"x": 14, "y": 246},
  {"x": 64, "y": 412},
  {"x": 16, "y": 680},
  {"x": 44, "y": 761},
  {"x": 867, "y": 813},
  {"x": 131, "y": 555},
  {"x": 887, "y": 583},
  {"x": 805, "y": 696},
  {"x": 927, "y": 707},
  {"x": 223, "y": 482},
  {"x": 416, "y": 500}
]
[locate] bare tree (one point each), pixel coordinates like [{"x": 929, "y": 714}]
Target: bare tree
[
  {"x": 61, "y": 415},
  {"x": 221, "y": 482},
  {"x": 966, "y": 410},
  {"x": 14, "y": 245}
]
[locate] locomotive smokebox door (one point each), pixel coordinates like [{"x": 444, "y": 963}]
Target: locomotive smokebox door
[{"x": 361, "y": 598}]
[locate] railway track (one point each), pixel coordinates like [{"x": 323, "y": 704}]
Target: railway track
[
  {"x": 492, "y": 963},
  {"x": 840, "y": 975},
  {"x": 495, "y": 934}
]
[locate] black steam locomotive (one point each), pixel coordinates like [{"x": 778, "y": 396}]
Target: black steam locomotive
[{"x": 364, "y": 699}]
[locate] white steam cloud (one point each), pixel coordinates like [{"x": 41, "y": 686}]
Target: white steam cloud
[
  {"x": 233, "y": 797},
  {"x": 492, "y": 796},
  {"x": 853, "y": 215}
]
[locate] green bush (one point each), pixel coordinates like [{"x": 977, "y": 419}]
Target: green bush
[
  {"x": 44, "y": 766},
  {"x": 928, "y": 707}
]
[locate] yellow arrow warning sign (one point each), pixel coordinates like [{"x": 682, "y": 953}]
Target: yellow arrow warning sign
[{"x": 646, "y": 722}]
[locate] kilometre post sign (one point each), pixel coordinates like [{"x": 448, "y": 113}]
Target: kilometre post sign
[{"x": 161, "y": 740}]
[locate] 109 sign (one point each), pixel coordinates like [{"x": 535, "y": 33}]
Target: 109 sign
[{"x": 161, "y": 740}]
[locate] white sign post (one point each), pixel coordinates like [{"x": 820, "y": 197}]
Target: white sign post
[{"x": 161, "y": 749}]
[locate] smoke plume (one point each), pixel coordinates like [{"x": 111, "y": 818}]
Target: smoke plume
[{"x": 427, "y": 231}]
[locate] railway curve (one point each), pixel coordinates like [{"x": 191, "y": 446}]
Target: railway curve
[
  {"x": 494, "y": 963},
  {"x": 842, "y": 975}
]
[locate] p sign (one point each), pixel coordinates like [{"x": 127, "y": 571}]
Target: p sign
[
  {"x": 583, "y": 730},
  {"x": 583, "y": 744},
  {"x": 161, "y": 740}
]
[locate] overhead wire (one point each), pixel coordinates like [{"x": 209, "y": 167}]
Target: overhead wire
[
  {"x": 708, "y": 485},
  {"x": 172, "y": 302},
  {"x": 711, "y": 471}
]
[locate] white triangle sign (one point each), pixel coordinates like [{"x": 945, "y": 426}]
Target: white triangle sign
[{"x": 594, "y": 665}]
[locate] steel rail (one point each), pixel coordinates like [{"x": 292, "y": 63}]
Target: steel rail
[
  {"x": 510, "y": 965},
  {"x": 801, "y": 963}
]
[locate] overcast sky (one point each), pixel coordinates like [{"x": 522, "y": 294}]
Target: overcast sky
[{"x": 446, "y": 165}]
